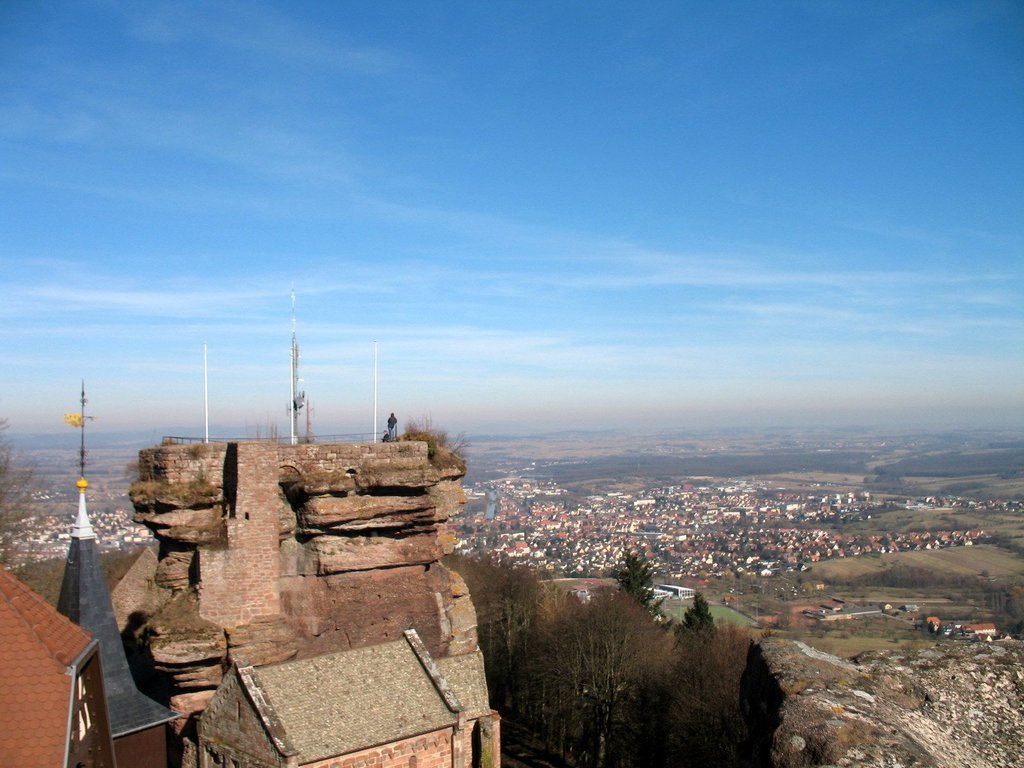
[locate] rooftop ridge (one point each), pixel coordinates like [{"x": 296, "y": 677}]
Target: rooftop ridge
[
  {"x": 433, "y": 671},
  {"x": 260, "y": 698}
]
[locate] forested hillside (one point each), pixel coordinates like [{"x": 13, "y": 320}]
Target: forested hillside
[{"x": 607, "y": 683}]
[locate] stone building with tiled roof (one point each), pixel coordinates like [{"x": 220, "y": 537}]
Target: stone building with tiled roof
[
  {"x": 386, "y": 705},
  {"x": 52, "y": 704}
]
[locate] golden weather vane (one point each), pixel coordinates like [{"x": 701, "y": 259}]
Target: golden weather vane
[{"x": 77, "y": 420}]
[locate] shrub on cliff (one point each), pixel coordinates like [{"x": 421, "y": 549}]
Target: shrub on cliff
[{"x": 443, "y": 451}]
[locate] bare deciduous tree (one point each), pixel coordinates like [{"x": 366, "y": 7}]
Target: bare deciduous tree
[
  {"x": 506, "y": 598},
  {"x": 706, "y": 722},
  {"x": 604, "y": 684},
  {"x": 597, "y": 660},
  {"x": 14, "y": 497}
]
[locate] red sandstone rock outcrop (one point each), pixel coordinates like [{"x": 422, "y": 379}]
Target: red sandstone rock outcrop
[
  {"x": 269, "y": 552},
  {"x": 955, "y": 704}
]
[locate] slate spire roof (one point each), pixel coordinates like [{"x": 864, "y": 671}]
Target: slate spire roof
[
  {"x": 39, "y": 646},
  {"x": 85, "y": 599}
]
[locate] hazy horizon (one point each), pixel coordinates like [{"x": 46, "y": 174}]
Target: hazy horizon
[
  {"x": 629, "y": 437},
  {"x": 545, "y": 217}
]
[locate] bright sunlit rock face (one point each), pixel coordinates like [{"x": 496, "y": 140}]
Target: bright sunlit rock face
[
  {"x": 270, "y": 552},
  {"x": 949, "y": 704}
]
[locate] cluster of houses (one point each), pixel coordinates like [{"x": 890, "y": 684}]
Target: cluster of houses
[
  {"x": 979, "y": 631},
  {"x": 691, "y": 532},
  {"x": 47, "y": 536},
  {"x": 840, "y": 610},
  {"x": 836, "y": 609}
]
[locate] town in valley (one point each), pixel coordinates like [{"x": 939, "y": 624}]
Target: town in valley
[{"x": 797, "y": 523}]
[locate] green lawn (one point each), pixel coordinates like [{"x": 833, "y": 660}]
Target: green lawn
[
  {"x": 721, "y": 613},
  {"x": 724, "y": 614}
]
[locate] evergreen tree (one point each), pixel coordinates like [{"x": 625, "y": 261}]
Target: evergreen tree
[
  {"x": 697, "y": 617},
  {"x": 636, "y": 578}
]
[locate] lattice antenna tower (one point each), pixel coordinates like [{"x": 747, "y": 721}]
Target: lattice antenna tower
[{"x": 298, "y": 399}]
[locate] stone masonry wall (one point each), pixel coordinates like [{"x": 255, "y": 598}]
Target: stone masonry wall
[
  {"x": 239, "y": 584},
  {"x": 269, "y": 552},
  {"x": 432, "y": 750},
  {"x": 235, "y": 732}
]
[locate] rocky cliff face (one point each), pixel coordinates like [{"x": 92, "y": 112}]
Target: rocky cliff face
[
  {"x": 269, "y": 552},
  {"x": 950, "y": 705}
]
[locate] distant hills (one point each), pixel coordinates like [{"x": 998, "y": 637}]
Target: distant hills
[{"x": 981, "y": 462}]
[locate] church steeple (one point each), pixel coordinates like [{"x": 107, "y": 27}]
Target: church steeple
[
  {"x": 82, "y": 529},
  {"x": 85, "y": 599}
]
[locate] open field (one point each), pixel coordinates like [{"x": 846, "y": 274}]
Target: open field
[
  {"x": 980, "y": 560},
  {"x": 848, "y": 638},
  {"x": 847, "y": 647},
  {"x": 992, "y": 486},
  {"x": 898, "y": 517},
  {"x": 842, "y": 638},
  {"x": 835, "y": 482}
]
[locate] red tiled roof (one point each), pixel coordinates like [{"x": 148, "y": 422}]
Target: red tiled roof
[
  {"x": 38, "y": 645},
  {"x": 984, "y": 627}
]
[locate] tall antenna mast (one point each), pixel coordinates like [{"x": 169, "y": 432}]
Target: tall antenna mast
[
  {"x": 298, "y": 398},
  {"x": 374, "y": 436},
  {"x": 206, "y": 398}
]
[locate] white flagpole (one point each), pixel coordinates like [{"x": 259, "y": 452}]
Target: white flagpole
[
  {"x": 375, "y": 391},
  {"x": 206, "y": 397},
  {"x": 293, "y": 417}
]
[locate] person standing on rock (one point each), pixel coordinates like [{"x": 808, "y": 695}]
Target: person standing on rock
[{"x": 392, "y": 427}]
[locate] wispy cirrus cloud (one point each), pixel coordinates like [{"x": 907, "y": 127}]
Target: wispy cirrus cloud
[{"x": 259, "y": 31}]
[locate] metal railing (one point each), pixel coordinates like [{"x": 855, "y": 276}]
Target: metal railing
[{"x": 357, "y": 437}]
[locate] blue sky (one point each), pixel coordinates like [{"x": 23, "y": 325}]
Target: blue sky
[{"x": 546, "y": 214}]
